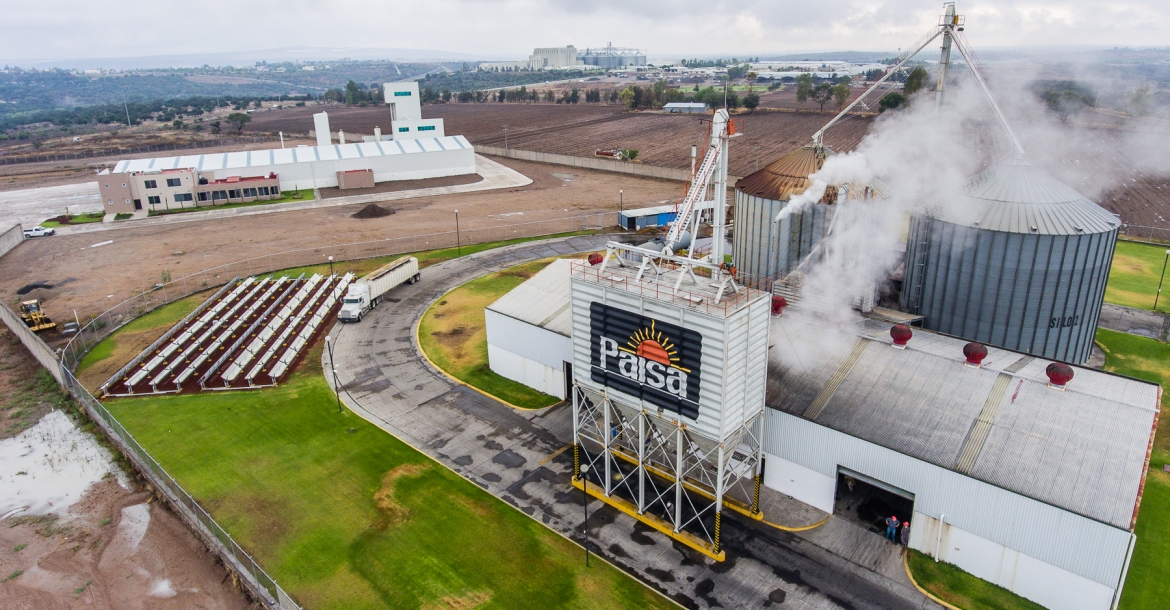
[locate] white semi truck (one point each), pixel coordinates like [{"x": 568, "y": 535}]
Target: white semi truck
[{"x": 364, "y": 294}]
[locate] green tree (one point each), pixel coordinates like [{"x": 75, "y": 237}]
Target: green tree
[
  {"x": 446, "y": 95},
  {"x": 238, "y": 120},
  {"x": 840, "y": 94},
  {"x": 890, "y": 101},
  {"x": 214, "y": 125},
  {"x": 1139, "y": 104},
  {"x": 352, "y": 93},
  {"x": 751, "y": 101},
  {"x": 804, "y": 87},
  {"x": 751, "y": 77},
  {"x": 915, "y": 81},
  {"x": 629, "y": 97},
  {"x": 821, "y": 94}
]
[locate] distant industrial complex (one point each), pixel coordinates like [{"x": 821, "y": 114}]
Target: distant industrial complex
[{"x": 547, "y": 58}]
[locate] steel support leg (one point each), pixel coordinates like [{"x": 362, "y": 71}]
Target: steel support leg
[
  {"x": 642, "y": 462},
  {"x": 678, "y": 477},
  {"x": 607, "y": 434}
]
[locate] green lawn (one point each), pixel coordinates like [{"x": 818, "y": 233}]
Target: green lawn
[
  {"x": 75, "y": 220},
  {"x": 1134, "y": 276},
  {"x": 453, "y": 335},
  {"x": 344, "y": 515},
  {"x": 286, "y": 196},
  {"x": 954, "y": 586},
  {"x": 1146, "y": 585},
  {"x": 119, "y": 348}
]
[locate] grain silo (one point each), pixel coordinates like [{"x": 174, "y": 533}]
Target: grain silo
[
  {"x": 765, "y": 249},
  {"x": 1018, "y": 259}
]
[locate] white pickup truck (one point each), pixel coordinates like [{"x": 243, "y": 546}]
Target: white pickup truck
[
  {"x": 39, "y": 232},
  {"x": 364, "y": 294}
]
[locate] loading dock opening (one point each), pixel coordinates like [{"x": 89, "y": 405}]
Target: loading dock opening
[{"x": 869, "y": 502}]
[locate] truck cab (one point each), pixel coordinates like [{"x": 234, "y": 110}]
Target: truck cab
[{"x": 355, "y": 303}]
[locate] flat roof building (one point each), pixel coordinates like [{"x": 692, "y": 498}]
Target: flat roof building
[{"x": 1029, "y": 486}]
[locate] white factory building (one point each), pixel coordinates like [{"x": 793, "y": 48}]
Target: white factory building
[
  {"x": 528, "y": 331},
  {"x": 416, "y": 148},
  {"x": 1023, "y": 484}
]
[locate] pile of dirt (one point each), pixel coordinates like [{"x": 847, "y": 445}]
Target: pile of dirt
[{"x": 372, "y": 211}]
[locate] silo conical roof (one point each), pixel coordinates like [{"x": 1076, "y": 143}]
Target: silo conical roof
[
  {"x": 1018, "y": 197},
  {"x": 787, "y": 176}
]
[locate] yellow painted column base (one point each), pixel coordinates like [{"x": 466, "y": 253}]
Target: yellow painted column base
[{"x": 630, "y": 509}]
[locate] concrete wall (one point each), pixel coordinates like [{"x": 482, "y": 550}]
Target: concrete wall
[
  {"x": 605, "y": 165},
  {"x": 11, "y": 239},
  {"x": 531, "y": 373},
  {"x": 43, "y": 353},
  {"x": 1022, "y": 574}
]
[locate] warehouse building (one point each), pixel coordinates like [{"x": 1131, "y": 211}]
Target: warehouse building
[
  {"x": 1022, "y": 483},
  {"x": 636, "y": 219},
  {"x": 418, "y": 149},
  {"x": 528, "y": 332},
  {"x": 138, "y": 184}
]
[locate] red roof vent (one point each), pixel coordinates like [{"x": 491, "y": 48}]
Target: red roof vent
[
  {"x": 595, "y": 259},
  {"x": 778, "y": 304},
  {"x": 901, "y": 334},
  {"x": 1059, "y": 374},
  {"x": 975, "y": 353}
]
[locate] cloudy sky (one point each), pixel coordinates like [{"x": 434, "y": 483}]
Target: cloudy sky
[{"x": 45, "y": 29}]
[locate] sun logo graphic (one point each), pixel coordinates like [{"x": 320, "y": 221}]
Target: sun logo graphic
[{"x": 652, "y": 360}]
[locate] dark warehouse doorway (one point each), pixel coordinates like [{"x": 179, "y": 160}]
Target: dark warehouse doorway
[{"x": 869, "y": 502}]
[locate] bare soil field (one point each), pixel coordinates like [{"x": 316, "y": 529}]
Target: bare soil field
[
  {"x": 90, "y": 557},
  {"x": 90, "y": 276},
  {"x": 579, "y": 130}
]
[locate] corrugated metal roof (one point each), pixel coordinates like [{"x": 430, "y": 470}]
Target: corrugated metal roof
[
  {"x": 662, "y": 209},
  {"x": 787, "y": 176},
  {"x": 1018, "y": 197},
  {"x": 1082, "y": 449},
  {"x": 542, "y": 300},
  {"x": 260, "y": 158}
]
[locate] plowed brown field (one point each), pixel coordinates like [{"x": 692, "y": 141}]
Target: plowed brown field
[{"x": 661, "y": 139}]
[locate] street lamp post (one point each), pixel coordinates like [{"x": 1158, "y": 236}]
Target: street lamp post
[
  {"x": 1160, "y": 280},
  {"x": 505, "y": 138},
  {"x": 585, "y": 505},
  {"x": 330, "y": 266},
  {"x": 621, "y": 207},
  {"x": 458, "y": 242},
  {"x": 333, "y": 368}
]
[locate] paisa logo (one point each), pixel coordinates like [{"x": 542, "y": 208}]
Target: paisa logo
[{"x": 655, "y": 361}]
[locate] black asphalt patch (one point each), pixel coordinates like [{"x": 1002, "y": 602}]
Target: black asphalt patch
[{"x": 507, "y": 458}]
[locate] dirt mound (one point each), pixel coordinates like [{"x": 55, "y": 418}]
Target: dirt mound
[
  {"x": 27, "y": 288},
  {"x": 372, "y": 211}
]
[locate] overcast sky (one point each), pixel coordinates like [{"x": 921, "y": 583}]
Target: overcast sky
[{"x": 43, "y": 29}]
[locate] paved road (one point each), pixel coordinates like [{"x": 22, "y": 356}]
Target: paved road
[
  {"x": 514, "y": 455},
  {"x": 30, "y": 207}
]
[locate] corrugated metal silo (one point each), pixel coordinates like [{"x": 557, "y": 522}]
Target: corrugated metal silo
[
  {"x": 764, "y": 249},
  {"x": 1018, "y": 259}
]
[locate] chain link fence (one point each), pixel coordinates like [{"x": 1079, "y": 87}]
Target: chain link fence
[
  {"x": 262, "y": 586},
  {"x": 113, "y": 318},
  {"x": 1138, "y": 232}
]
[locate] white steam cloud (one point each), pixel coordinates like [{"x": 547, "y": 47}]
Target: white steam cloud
[{"x": 923, "y": 157}]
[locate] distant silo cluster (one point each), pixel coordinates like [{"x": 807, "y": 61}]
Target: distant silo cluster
[{"x": 1018, "y": 259}]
